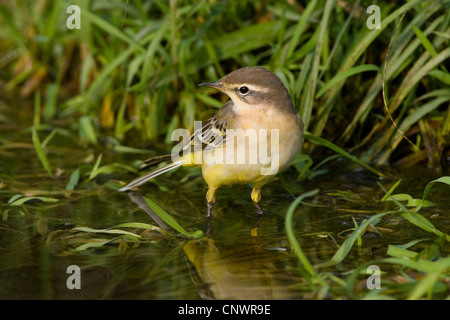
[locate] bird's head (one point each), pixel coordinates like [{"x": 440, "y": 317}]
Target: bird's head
[{"x": 254, "y": 87}]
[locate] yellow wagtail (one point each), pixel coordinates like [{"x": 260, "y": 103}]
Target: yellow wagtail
[{"x": 260, "y": 111}]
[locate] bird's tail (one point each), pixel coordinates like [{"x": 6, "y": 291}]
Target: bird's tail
[
  {"x": 155, "y": 160},
  {"x": 143, "y": 179}
]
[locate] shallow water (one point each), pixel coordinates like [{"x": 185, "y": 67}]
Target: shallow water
[{"x": 37, "y": 240}]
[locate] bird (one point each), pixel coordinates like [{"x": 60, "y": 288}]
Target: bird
[{"x": 259, "y": 110}]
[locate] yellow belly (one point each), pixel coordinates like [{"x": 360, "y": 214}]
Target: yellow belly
[{"x": 220, "y": 167}]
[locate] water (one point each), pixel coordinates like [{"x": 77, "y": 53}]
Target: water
[{"x": 38, "y": 241}]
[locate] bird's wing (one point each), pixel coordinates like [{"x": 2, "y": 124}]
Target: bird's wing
[{"x": 211, "y": 135}]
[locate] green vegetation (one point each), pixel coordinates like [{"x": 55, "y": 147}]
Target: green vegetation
[
  {"x": 435, "y": 266},
  {"x": 134, "y": 67},
  {"x": 120, "y": 85}
]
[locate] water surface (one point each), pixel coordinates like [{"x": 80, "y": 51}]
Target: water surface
[{"x": 38, "y": 241}]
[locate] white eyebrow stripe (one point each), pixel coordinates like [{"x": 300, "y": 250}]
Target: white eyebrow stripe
[{"x": 253, "y": 87}]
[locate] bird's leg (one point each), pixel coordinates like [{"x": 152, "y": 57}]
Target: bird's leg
[
  {"x": 259, "y": 210},
  {"x": 209, "y": 229},
  {"x": 209, "y": 205},
  {"x": 256, "y": 231},
  {"x": 210, "y": 199},
  {"x": 256, "y": 196}
]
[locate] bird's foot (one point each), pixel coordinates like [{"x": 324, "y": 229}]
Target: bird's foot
[{"x": 259, "y": 210}]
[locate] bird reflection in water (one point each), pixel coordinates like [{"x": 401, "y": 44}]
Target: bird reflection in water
[{"x": 247, "y": 270}]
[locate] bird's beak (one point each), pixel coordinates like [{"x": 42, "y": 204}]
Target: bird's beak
[{"x": 216, "y": 85}]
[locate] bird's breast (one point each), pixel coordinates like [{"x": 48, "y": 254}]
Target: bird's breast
[{"x": 259, "y": 144}]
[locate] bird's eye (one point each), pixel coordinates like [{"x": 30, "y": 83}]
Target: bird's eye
[{"x": 243, "y": 90}]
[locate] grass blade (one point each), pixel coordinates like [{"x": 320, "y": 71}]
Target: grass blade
[
  {"x": 107, "y": 231},
  {"x": 342, "y": 152},
  {"x": 87, "y": 129},
  {"x": 73, "y": 181},
  {"x": 21, "y": 201},
  {"x": 345, "y": 74},
  {"x": 167, "y": 218},
  {"x": 415, "y": 218},
  {"x": 397, "y": 252},
  {"x": 111, "y": 29},
  {"x": 445, "y": 179},
  {"x": 96, "y": 166},
  {"x": 425, "y": 42},
  {"x": 40, "y": 151},
  {"x": 313, "y": 78},
  {"x": 293, "y": 241},
  {"x": 93, "y": 244},
  {"x": 421, "y": 112},
  {"x": 345, "y": 248},
  {"x": 138, "y": 225},
  {"x": 386, "y": 196},
  {"x": 299, "y": 28},
  {"x": 442, "y": 76}
]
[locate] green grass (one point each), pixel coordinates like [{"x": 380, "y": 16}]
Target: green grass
[
  {"x": 434, "y": 266},
  {"x": 130, "y": 76},
  {"x": 135, "y": 66}
]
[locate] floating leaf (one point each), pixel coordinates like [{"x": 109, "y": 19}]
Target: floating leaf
[
  {"x": 15, "y": 197},
  {"x": 93, "y": 244},
  {"x": 138, "y": 225},
  {"x": 108, "y": 231},
  {"x": 23, "y": 200}
]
